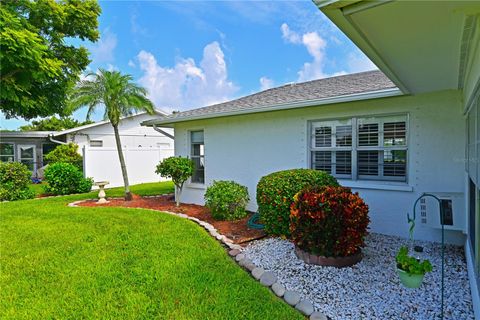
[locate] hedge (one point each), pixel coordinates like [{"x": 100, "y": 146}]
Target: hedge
[{"x": 275, "y": 195}]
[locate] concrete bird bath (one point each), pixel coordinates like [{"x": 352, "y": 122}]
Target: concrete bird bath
[{"x": 101, "y": 193}]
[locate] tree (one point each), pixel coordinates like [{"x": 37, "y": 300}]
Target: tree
[
  {"x": 179, "y": 170},
  {"x": 119, "y": 96},
  {"x": 38, "y": 63},
  {"x": 53, "y": 124}
]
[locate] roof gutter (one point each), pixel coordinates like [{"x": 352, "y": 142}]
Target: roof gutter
[{"x": 278, "y": 107}]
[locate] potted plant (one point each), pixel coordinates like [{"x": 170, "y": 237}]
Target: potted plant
[{"x": 410, "y": 269}]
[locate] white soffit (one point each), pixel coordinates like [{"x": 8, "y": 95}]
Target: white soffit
[{"x": 416, "y": 43}]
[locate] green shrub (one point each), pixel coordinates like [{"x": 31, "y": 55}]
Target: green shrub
[
  {"x": 65, "y": 153},
  {"x": 275, "y": 195},
  {"x": 66, "y": 178},
  {"x": 227, "y": 200},
  {"x": 14, "y": 180},
  {"x": 179, "y": 170},
  {"x": 328, "y": 221}
]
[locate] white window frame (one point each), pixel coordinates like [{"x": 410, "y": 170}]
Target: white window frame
[
  {"x": 472, "y": 168},
  {"x": 355, "y": 148},
  {"x": 191, "y": 182},
  {"x": 33, "y": 158}
]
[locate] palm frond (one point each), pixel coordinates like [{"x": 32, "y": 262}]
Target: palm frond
[{"x": 113, "y": 91}]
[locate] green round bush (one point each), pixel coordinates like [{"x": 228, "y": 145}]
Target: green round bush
[
  {"x": 14, "y": 180},
  {"x": 66, "y": 178},
  {"x": 275, "y": 194},
  {"x": 66, "y": 153},
  {"x": 227, "y": 200}
]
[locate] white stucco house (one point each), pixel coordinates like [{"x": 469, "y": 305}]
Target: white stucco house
[
  {"x": 143, "y": 146},
  {"x": 410, "y": 128}
]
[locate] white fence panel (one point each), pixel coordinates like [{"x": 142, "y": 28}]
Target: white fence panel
[{"x": 103, "y": 164}]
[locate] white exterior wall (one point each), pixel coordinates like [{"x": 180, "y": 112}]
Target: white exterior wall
[
  {"x": 102, "y": 164},
  {"x": 245, "y": 148},
  {"x": 132, "y": 135},
  {"x": 143, "y": 149}
]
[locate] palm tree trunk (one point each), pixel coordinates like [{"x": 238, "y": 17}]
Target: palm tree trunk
[{"x": 128, "y": 194}]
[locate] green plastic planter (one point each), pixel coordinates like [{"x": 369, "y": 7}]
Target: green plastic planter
[{"x": 410, "y": 280}]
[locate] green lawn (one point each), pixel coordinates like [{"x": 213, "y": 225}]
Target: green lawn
[
  {"x": 144, "y": 189},
  {"x": 109, "y": 263}
]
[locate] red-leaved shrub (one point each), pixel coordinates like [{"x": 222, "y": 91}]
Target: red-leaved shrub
[{"x": 328, "y": 221}]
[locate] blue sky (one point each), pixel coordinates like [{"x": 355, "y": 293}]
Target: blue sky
[{"x": 190, "y": 54}]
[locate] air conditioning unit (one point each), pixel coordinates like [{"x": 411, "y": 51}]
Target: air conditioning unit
[{"x": 453, "y": 204}]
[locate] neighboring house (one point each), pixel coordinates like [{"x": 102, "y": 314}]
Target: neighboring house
[
  {"x": 26, "y": 147},
  {"x": 133, "y": 135},
  {"x": 391, "y": 138},
  {"x": 32, "y": 146}
]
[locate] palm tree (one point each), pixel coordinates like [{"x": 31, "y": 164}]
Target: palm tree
[{"x": 119, "y": 96}]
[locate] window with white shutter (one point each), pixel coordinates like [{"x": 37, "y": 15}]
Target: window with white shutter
[
  {"x": 373, "y": 148},
  {"x": 332, "y": 147}
]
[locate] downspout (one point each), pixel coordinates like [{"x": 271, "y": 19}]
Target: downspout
[
  {"x": 163, "y": 132},
  {"x": 50, "y": 137}
]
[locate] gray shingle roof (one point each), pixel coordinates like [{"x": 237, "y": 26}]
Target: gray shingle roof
[
  {"x": 292, "y": 93},
  {"x": 25, "y": 134}
]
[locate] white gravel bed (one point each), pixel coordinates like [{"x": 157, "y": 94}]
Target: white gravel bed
[{"x": 371, "y": 289}]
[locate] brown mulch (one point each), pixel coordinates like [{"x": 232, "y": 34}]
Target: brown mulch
[{"x": 237, "y": 230}]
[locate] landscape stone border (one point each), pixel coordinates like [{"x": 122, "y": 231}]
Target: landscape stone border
[
  {"x": 269, "y": 279},
  {"x": 266, "y": 278}
]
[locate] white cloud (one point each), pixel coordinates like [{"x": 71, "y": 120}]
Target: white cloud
[
  {"x": 266, "y": 83},
  {"x": 315, "y": 46},
  {"x": 131, "y": 64},
  {"x": 289, "y": 35},
  {"x": 187, "y": 85},
  {"x": 354, "y": 61},
  {"x": 103, "y": 50}
]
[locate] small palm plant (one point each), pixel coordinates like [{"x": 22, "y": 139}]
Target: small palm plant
[{"x": 119, "y": 96}]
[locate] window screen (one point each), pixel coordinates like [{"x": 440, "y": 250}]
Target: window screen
[
  {"x": 197, "y": 153},
  {"x": 7, "y": 152}
]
